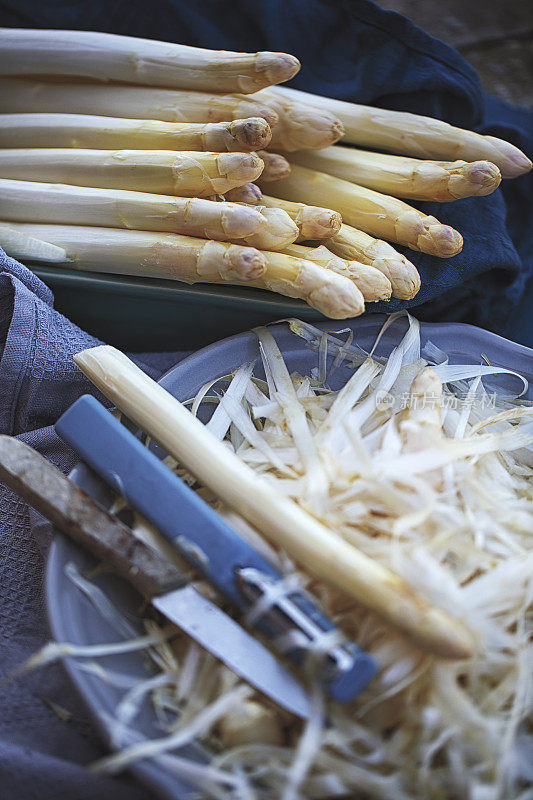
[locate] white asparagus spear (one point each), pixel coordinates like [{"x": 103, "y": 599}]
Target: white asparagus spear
[
  {"x": 276, "y": 166},
  {"x": 352, "y": 244},
  {"x": 372, "y": 283},
  {"x": 23, "y": 95},
  {"x": 29, "y": 201},
  {"x": 414, "y": 135},
  {"x": 154, "y": 255},
  {"x": 278, "y": 230},
  {"x": 312, "y": 221},
  {"x": 421, "y": 426},
  {"x": 186, "y": 174},
  {"x": 27, "y": 248},
  {"x": 85, "y": 130},
  {"x": 335, "y": 296},
  {"x": 318, "y": 549},
  {"x": 377, "y": 214},
  {"x": 249, "y": 194},
  {"x": 128, "y": 59},
  {"x": 300, "y": 125},
  {"x": 400, "y": 176}
]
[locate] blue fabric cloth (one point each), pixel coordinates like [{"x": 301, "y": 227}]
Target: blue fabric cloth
[{"x": 349, "y": 49}]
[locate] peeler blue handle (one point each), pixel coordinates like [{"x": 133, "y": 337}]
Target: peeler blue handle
[{"x": 227, "y": 561}]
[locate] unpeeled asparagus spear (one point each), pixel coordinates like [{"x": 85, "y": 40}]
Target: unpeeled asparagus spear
[
  {"x": 154, "y": 255},
  {"x": 249, "y": 193},
  {"x": 22, "y": 95},
  {"x": 372, "y": 283},
  {"x": 276, "y": 167},
  {"x": 278, "y": 230},
  {"x": 300, "y": 125},
  {"x": 27, "y": 248},
  {"x": 110, "y": 57},
  {"x": 186, "y": 174},
  {"x": 312, "y": 221},
  {"x": 335, "y": 296},
  {"x": 377, "y": 214},
  {"x": 28, "y": 201},
  {"x": 414, "y": 135},
  {"x": 318, "y": 549},
  {"x": 404, "y": 177},
  {"x": 355, "y": 245},
  {"x": 85, "y": 130}
]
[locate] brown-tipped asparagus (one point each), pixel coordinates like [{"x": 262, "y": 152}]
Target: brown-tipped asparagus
[
  {"x": 23, "y": 95},
  {"x": 301, "y": 126},
  {"x": 127, "y": 59},
  {"x": 372, "y": 283},
  {"x": 155, "y": 255},
  {"x": 414, "y": 135},
  {"x": 377, "y": 214},
  {"x": 276, "y": 167},
  {"x": 400, "y": 176},
  {"x": 352, "y": 244},
  {"x": 312, "y": 221},
  {"x": 249, "y": 194},
  {"x": 87, "y": 131},
  {"x": 186, "y": 174}
]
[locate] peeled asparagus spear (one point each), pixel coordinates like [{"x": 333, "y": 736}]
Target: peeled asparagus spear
[
  {"x": 377, "y": 214},
  {"x": 320, "y": 550},
  {"x": 249, "y": 193},
  {"x": 155, "y": 255},
  {"x": 313, "y": 222},
  {"x": 186, "y": 174},
  {"x": 352, "y": 244},
  {"x": 404, "y": 177},
  {"x": 414, "y": 135},
  {"x": 109, "y": 57},
  {"x": 27, "y": 248},
  {"x": 300, "y": 125},
  {"x": 335, "y": 296},
  {"x": 28, "y": 201},
  {"x": 372, "y": 283},
  {"x": 85, "y": 130},
  {"x": 23, "y": 95},
  {"x": 276, "y": 167}
]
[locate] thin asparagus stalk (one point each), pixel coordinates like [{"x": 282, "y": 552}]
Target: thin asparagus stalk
[
  {"x": 352, "y": 244},
  {"x": 27, "y": 248},
  {"x": 320, "y": 550},
  {"x": 276, "y": 167},
  {"x": 154, "y": 255},
  {"x": 277, "y": 232},
  {"x": 249, "y": 194},
  {"x": 28, "y": 201},
  {"x": 301, "y": 126},
  {"x": 109, "y": 57},
  {"x": 415, "y": 135},
  {"x": 377, "y": 214},
  {"x": 85, "y": 130},
  {"x": 372, "y": 284},
  {"x": 400, "y": 176},
  {"x": 22, "y": 95},
  {"x": 313, "y": 222},
  {"x": 186, "y": 174},
  {"x": 335, "y": 296}
]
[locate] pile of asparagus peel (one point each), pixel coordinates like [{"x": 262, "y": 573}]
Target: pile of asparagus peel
[{"x": 147, "y": 158}]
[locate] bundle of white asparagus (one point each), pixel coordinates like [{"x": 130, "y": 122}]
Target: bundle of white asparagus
[{"x": 104, "y": 138}]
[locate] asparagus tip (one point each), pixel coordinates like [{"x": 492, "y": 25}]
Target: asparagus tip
[
  {"x": 511, "y": 161},
  {"x": 438, "y": 239},
  {"x": 276, "y": 67},
  {"x": 253, "y": 133},
  {"x": 483, "y": 177}
]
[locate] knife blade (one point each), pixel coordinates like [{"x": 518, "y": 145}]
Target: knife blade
[
  {"x": 78, "y": 516},
  {"x": 292, "y": 618}
]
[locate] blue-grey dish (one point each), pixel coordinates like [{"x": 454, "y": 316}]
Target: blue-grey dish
[{"x": 73, "y": 618}]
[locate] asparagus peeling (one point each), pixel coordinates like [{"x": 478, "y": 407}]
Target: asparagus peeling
[
  {"x": 127, "y": 59},
  {"x": 414, "y": 135}
]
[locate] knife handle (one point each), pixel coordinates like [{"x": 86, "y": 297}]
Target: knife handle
[{"x": 82, "y": 519}]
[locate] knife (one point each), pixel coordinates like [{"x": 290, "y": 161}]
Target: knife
[
  {"x": 78, "y": 516},
  {"x": 291, "y": 618}
]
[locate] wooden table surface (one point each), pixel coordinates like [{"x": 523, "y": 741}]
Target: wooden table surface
[{"x": 495, "y": 36}]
